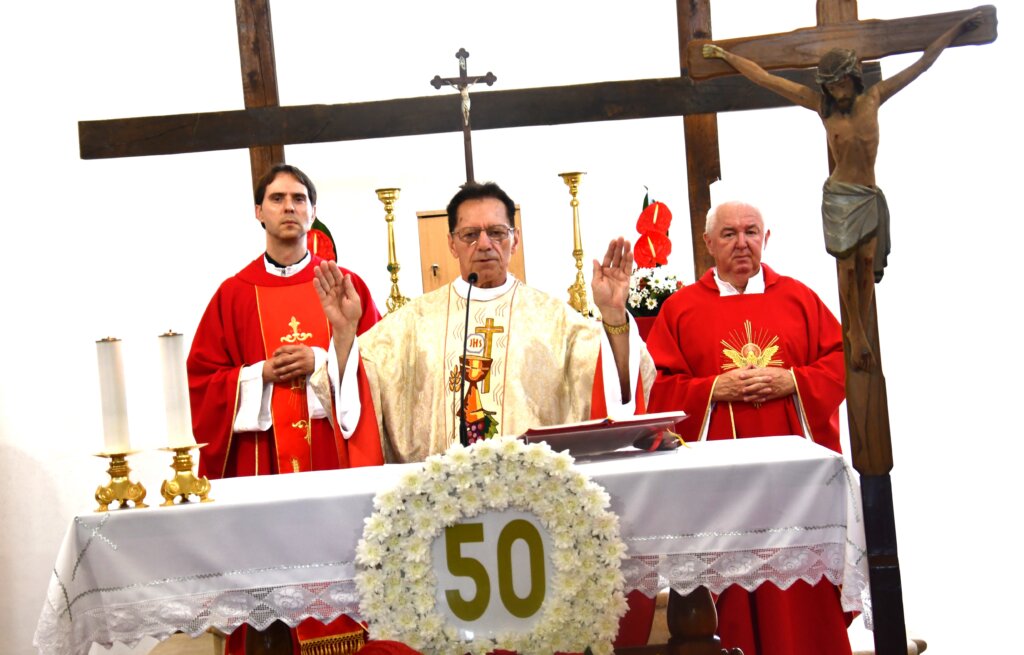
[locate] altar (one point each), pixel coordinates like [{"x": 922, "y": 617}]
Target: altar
[{"x": 713, "y": 514}]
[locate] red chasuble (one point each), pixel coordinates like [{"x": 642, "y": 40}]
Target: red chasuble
[
  {"x": 699, "y": 335},
  {"x": 251, "y": 315},
  {"x": 231, "y": 335}
]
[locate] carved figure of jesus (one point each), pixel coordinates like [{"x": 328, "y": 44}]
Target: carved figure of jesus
[{"x": 854, "y": 212}]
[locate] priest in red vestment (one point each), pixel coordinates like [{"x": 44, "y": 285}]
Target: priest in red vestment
[
  {"x": 260, "y": 391},
  {"x": 747, "y": 352}
]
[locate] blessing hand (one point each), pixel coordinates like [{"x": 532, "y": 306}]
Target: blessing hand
[
  {"x": 610, "y": 283},
  {"x": 338, "y": 297}
]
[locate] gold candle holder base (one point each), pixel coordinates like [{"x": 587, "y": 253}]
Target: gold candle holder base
[
  {"x": 120, "y": 489},
  {"x": 185, "y": 483}
]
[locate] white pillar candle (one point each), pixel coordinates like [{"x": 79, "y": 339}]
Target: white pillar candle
[
  {"x": 176, "y": 404},
  {"x": 112, "y": 396}
]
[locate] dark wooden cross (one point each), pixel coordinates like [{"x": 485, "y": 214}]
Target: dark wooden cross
[
  {"x": 264, "y": 127},
  {"x": 462, "y": 83}
]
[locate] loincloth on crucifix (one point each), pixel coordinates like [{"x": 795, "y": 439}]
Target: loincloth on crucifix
[{"x": 853, "y": 214}]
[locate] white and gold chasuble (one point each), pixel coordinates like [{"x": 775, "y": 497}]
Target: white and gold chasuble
[{"x": 532, "y": 361}]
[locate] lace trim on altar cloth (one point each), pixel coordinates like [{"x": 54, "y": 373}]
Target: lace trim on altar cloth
[
  {"x": 193, "y": 615},
  {"x": 749, "y": 569},
  {"x": 226, "y": 610}
]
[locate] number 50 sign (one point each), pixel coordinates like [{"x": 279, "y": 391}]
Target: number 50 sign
[{"x": 492, "y": 572}]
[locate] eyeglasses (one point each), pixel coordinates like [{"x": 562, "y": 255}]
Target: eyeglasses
[{"x": 495, "y": 233}]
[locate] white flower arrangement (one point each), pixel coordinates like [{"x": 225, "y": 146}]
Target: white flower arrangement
[
  {"x": 648, "y": 288},
  {"x": 397, "y": 584}
]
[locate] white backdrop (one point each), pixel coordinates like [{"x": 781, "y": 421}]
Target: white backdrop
[{"x": 134, "y": 247}]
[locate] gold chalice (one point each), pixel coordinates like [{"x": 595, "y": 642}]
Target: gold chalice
[{"x": 474, "y": 369}]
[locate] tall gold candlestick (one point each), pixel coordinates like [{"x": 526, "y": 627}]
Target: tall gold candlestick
[
  {"x": 578, "y": 289},
  {"x": 388, "y": 197}
]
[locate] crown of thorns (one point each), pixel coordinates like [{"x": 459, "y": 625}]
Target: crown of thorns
[{"x": 836, "y": 65}]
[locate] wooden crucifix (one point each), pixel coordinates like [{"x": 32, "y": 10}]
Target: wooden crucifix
[
  {"x": 849, "y": 115},
  {"x": 462, "y": 83}
]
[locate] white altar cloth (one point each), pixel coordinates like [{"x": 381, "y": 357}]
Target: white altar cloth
[{"x": 717, "y": 513}]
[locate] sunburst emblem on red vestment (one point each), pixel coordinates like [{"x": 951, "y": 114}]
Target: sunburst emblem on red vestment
[{"x": 758, "y": 351}]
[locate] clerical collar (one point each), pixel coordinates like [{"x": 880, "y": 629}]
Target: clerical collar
[
  {"x": 280, "y": 270},
  {"x": 755, "y": 284},
  {"x": 461, "y": 287}
]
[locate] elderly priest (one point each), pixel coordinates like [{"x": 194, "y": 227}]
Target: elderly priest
[
  {"x": 531, "y": 359},
  {"x": 747, "y": 352}
]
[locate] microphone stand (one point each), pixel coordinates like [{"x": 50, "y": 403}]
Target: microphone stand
[{"x": 463, "y": 430}]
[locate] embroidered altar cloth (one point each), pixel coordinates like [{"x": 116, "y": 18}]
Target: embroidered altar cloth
[{"x": 744, "y": 512}]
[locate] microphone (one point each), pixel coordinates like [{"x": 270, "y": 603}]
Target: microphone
[{"x": 463, "y": 430}]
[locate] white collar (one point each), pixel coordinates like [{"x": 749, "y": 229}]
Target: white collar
[
  {"x": 755, "y": 284},
  {"x": 462, "y": 287},
  {"x": 287, "y": 271}
]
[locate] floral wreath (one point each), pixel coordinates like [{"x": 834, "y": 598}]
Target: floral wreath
[{"x": 397, "y": 584}]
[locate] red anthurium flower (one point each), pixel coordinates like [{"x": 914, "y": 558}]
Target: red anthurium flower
[
  {"x": 652, "y": 249},
  {"x": 656, "y": 217},
  {"x": 320, "y": 245}
]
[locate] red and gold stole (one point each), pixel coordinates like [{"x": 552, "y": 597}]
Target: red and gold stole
[{"x": 291, "y": 316}]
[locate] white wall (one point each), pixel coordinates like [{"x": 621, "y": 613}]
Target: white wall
[{"x": 134, "y": 247}]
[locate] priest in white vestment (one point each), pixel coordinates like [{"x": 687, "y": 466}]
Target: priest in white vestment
[{"x": 531, "y": 359}]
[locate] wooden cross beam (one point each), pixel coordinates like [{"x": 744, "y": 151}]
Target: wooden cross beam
[
  {"x": 872, "y": 39},
  {"x": 272, "y": 125}
]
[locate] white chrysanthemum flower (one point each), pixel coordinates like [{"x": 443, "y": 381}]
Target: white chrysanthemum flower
[
  {"x": 387, "y": 501},
  {"x": 458, "y": 458},
  {"x": 472, "y": 501},
  {"x": 613, "y": 551},
  {"x": 561, "y": 464},
  {"x": 485, "y": 450},
  {"x": 411, "y": 480},
  {"x": 520, "y": 492},
  {"x": 464, "y": 479},
  {"x": 652, "y": 303},
  {"x": 508, "y": 448},
  {"x": 535, "y": 457},
  {"x": 369, "y": 553},
  {"x": 499, "y": 497},
  {"x": 606, "y": 523},
  {"x": 448, "y": 510},
  {"x": 374, "y": 526}
]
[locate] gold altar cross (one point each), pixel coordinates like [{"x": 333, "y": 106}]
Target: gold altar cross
[{"x": 489, "y": 329}]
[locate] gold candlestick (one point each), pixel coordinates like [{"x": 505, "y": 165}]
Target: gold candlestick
[
  {"x": 120, "y": 489},
  {"x": 388, "y": 197},
  {"x": 578, "y": 290},
  {"x": 184, "y": 483}
]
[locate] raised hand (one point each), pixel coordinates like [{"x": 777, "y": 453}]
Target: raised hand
[
  {"x": 610, "y": 283},
  {"x": 338, "y": 297}
]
